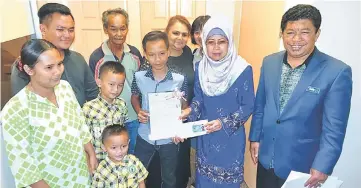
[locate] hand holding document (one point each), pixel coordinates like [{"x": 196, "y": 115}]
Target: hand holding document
[
  {"x": 298, "y": 179},
  {"x": 192, "y": 129},
  {"x": 164, "y": 110}
]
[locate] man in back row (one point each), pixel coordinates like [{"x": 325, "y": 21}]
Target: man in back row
[
  {"x": 57, "y": 26},
  {"x": 115, "y": 25}
]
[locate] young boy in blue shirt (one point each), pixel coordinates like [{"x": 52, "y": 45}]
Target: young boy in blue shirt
[{"x": 158, "y": 78}]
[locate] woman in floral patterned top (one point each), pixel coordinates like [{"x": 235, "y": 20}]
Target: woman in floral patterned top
[
  {"x": 44, "y": 129},
  {"x": 224, "y": 95}
]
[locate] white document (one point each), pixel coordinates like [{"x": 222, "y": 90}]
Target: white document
[
  {"x": 298, "y": 179},
  {"x": 164, "y": 112}
]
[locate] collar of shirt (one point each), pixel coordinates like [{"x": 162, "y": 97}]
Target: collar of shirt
[
  {"x": 168, "y": 76},
  {"x": 66, "y": 52},
  {"x": 306, "y": 62},
  {"x": 112, "y": 164},
  {"x": 106, "y": 103},
  {"x": 107, "y": 51}
]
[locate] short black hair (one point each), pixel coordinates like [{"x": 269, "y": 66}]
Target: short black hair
[
  {"x": 155, "y": 36},
  {"x": 112, "y": 130},
  {"x": 46, "y": 11},
  {"x": 197, "y": 25},
  {"x": 111, "y": 66},
  {"x": 299, "y": 12}
]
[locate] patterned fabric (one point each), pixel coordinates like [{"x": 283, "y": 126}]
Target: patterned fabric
[
  {"x": 131, "y": 64},
  {"x": 46, "y": 142},
  {"x": 233, "y": 108},
  {"x": 290, "y": 77},
  {"x": 230, "y": 175},
  {"x": 128, "y": 174},
  {"x": 99, "y": 114},
  {"x": 289, "y": 80}
]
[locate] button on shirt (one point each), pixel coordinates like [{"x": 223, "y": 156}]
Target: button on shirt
[
  {"x": 144, "y": 83},
  {"x": 289, "y": 80},
  {"x": 99, "y": 114},
  {"x": 128, "y": 174}
]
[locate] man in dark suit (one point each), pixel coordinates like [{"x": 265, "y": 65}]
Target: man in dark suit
[{"x": 302, "y": 105}]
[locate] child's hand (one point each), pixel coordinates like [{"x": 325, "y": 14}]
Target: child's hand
[
  {"x": 143, "y": 116},
  {"x": 177, "y": 139}
]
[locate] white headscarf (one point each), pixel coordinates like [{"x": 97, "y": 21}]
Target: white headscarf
[{"x": 216, "y": 77}]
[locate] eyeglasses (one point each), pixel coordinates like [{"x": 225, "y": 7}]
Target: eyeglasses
[{"x": 220, "y": 43}]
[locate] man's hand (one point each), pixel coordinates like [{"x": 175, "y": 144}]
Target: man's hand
[
  {"x": 143, "y": 116},
  {"x": 317, "y": 179},
  {"x": 254, "y": 151}
]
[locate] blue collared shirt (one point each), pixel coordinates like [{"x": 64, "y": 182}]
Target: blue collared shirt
[{"x": 144, "y": 83}]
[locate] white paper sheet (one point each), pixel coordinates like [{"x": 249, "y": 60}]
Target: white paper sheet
[
  {"x": 298, "y": 179},
  {"x": 164, "y": 112}
]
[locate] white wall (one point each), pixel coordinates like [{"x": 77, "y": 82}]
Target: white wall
[
  {"x": 224, "y": 8},
  {"x": 17, "y": 25},
  {"x": 341, "y": 37}
]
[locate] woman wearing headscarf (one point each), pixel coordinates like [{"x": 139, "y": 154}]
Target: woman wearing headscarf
[{"x": 224, "y": 95}]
